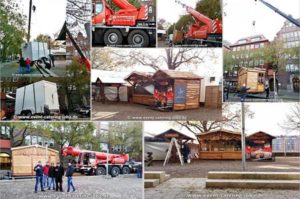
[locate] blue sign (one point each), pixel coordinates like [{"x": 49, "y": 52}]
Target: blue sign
[{"x": 180, "y": 94}]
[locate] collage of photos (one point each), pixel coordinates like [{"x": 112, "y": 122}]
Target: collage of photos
[{"x": 148, "y": 99}]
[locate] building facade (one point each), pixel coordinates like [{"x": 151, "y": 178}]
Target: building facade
[{"x": 289, "y": 35}]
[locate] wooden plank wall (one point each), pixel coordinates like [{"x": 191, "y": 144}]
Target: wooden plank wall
[
  {"x": 213, "y": 97},
  {"x": 143, "y": 99},
  {"x": 192, "y": 94}
]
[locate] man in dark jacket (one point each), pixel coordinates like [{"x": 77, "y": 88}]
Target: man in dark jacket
[
  {"x": 59, "y": 173},
  {"x": 69, "y": 174},
  {"x": 51, "y": 177},
  {"x": 38, "y": 176}
]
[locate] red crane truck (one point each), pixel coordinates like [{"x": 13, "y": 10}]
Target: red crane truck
[
  {"x": 204, "y": 31},
  {"x": 129, "y": 25},
  {"x": 95, "y": 163}
]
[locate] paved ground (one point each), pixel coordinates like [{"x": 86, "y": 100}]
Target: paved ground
[
  {"x": 195, "y": 188},
  {"x": 199, "y": 168},
  {"x": 10, "y": 68},
  {"x": 283, "y": 96},
  {"x": 122, "y": 111},
  {"x": 87, "y": 187}
]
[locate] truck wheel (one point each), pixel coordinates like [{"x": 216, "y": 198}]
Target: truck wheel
[
  {"x": 125, "y": 170},
  {"x": 138, "y": 38},
  {"x": 115, "y": 171},
  {"x": 100, "y": 171},
  {"x": 113, "y": 37}
]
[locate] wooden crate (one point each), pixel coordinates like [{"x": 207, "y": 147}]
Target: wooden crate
[
  {"x": 24, "y": 158},
  {"x": 213, "y": 97}
]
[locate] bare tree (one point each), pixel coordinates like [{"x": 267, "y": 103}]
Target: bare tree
[
  {"x": 292, "y": 122},
  {"x": 231, "y": 119},
  {"x": 173, "y": 58}
]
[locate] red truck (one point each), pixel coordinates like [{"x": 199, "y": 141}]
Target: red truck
[
  {"x": 129, "y": 25},
  {"x": 204, "y": 31},
  {"x": 95, "y": 163}
]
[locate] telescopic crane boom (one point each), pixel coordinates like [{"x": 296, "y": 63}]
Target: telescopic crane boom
[{"x": 289, "y": 18}]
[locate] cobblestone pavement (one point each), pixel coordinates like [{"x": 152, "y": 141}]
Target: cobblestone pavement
[
  {"x": 200, "y": 168},
  {"x": 127, "y": 111},
  {"x": 87, "y": 187},
  {"x": 195, "y": 188}
]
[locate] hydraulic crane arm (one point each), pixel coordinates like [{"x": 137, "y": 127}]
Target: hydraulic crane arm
[
  {"x": 289, "y": 18},
  {"x": 196, "y": 15},
  {"x": 124, "y": 4}
]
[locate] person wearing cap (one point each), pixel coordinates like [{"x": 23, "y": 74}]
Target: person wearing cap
[
  {"x": 69, "y": 174},
  {"x": 38, "y": 176},
  {"x": 59, "y": 173}
]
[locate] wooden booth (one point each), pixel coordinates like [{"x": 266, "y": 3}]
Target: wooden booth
[
  {"x": 24, "y": 158},
  {"x": 142, "y": 88},
  {"x": 259, "y": 146},
  {"x": 253, "y": 78},
  {"x": 111, "y": 89},
  {"x": 185, "y": 88},
  {"x": 220, "y": 145}
]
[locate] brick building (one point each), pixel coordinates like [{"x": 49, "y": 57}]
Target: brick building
[{"x": 289, "y": 34}]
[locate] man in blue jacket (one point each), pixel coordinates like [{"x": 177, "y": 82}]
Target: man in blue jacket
[
  {"x": 69, "y": 174},
  {"x": 38, "y": 176}
]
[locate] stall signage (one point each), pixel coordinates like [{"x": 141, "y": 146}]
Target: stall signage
[{"x": 180, "y": 94}]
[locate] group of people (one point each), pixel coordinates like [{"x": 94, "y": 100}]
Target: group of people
[
  {"x": 164, "y": 99},
  {"x": 51, "y": 177},
  {"x": 24, "y": 66}
]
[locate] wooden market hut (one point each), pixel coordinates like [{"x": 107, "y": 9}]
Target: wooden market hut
[
  {"x": 253, "y": 78},
  {"x": 142, "y": 88},
  {"x": 185, "y": 85},
  {"x": 103, "y": 83},
  {"x": 24, "y": 158},
  {"x": 220, "y": 145},
  {"x": 259, "y": 145},
  {"x": 181, "y": 139}
]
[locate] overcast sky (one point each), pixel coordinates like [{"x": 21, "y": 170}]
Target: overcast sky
[
  {"x": 171, "y": 11},
  {"x": 48, "y": 18},
  {"x": 268, "y": 117},
  {"x": 239, "y": 15}
]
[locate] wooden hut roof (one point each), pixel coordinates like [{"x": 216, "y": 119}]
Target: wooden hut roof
[
  {"x": 33, "y": 146},
  {"x": 109, "y": 80},
  {"x": 221, "y": 130},
  {"x": 62, "y": 33},
  {"x": 172, "y": 131},
  {"x": 135, "y": 74},
  {"x": 260, "y": 135},
  {"x": 216, "y": 135},
  {"x": 172, "y": 74}
]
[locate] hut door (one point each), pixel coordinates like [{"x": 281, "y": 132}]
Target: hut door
[{"x": 296, "y": 82}]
